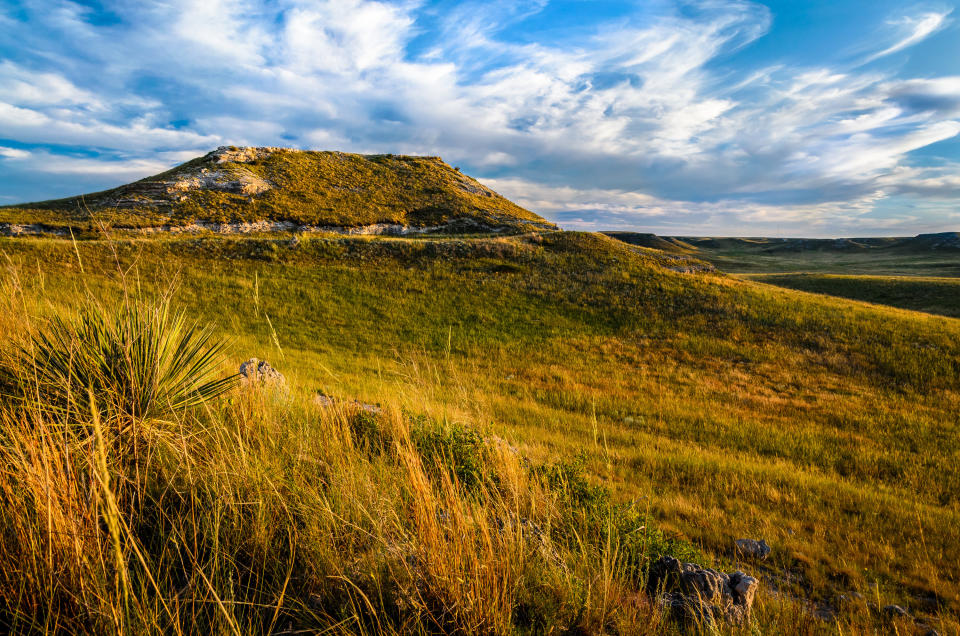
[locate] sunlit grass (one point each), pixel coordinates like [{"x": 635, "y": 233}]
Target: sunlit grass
[{"x": 735, "y": 409}]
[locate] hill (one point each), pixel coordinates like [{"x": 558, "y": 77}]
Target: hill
[
  {"x": 921, "y": 255},
  {"x": 269, "y": 189},
  {"x": 712, "y": 408},
  {"x": 653, "y": 241},
  {"x": 930, "y": 294},
  {"x": 920, "y": 242}
]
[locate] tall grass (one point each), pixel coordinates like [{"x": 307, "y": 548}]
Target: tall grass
[
  {"x": 264, "y": 513},
  {"x": 740, "y": 410},
  {"x": 264, "y": 516}
]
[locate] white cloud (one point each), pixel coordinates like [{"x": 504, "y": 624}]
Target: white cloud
[
  {"x": 13, "y": 153},
  {"x": 915, "y": 29},
  {"x": 631, "y": 119},
  {"x": 596, "y": 209},
  {"x": 23, "y": 87},
  {"x": 118, "y": 170}
]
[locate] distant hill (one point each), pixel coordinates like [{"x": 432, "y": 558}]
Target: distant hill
[
  {"x": 943, "y": 241},
  {"x": 667, "y": 244},
  {"x": 938, "y": 241},
  {"x": 293, "y": 188}
]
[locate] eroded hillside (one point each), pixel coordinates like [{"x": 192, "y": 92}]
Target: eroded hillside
[{"x": 278, "y": 189}]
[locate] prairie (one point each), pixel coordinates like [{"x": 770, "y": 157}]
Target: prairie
[
  {"x": 932, "y": 295},
  {"x": 719, "y": 408}
]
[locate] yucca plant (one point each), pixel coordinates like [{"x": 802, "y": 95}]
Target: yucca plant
[{"x": 138, "y": 360}]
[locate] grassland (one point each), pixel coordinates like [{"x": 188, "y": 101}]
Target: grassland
[
  {"x": 917, "y": 273},
  {"x": 723, "y": 407},
  {"x": 872, "y": 257},
  {"x": 932, "y": 295}
]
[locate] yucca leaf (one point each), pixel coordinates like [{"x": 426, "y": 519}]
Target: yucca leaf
[{"x": 139, "y": 359}]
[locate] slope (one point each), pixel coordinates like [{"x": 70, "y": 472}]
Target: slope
[
  {"x": 278, "y": 188},
  {"x": 736, "y": 409}
]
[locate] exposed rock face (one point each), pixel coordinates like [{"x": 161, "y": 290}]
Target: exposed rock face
[
  {"x": 255, "y": 372},
  {"x": 753, "y": 548},
  {"x": 233, "y": 154},
  {"x": 702, "y": 595},
  {"x": 234, "y": 182},
  {"x": 28, "y": 229}
]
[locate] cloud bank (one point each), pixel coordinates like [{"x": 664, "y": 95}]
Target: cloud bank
[{"x": 639, "y": 120}]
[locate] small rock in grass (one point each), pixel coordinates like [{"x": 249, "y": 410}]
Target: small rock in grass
[
  {"x": 701, "y": 594},
  {"x": 895, "y": 611},
  {"x": 323, "y": 400},
  {"x": 753, "y": 548},
  {"x": 369, "y": 408},
  {"x": 255, "y": 371}
]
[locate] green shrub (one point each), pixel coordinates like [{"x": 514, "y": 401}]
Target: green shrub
[
  {"x": 569, "y": 478},
  {"x": 367, "y": 432},
  {"x": 138, "y": 359},
  {"x": 460, "y": 450},
  {"x": 591, "y": 518}
]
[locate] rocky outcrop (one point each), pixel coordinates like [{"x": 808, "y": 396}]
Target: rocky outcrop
[
  {"x": 463, "y": 225},
  {"x": 234, "y": 154},
  {"x": 701, "y": 595},
  {"x": 29, "y": 229},
  {"x": 232, "y": 181},
  {"x": 256, "y": 372}
]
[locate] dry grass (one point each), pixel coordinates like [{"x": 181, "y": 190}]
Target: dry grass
[{"x": 735, "y": 409}]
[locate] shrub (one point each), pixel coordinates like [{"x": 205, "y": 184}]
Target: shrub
[
  {"x": 570, "y": 479},
  {"x": 459, "y": 449},
  {"x": 137, "y": 360},
  {"x": 591, "y": 518},
  {"x": 367, "y": 431}
]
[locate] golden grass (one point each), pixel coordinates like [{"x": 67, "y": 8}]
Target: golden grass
[{"x": 735, "y": 409}]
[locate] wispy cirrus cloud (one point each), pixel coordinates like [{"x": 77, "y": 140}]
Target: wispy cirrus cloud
[{"x": 913, "y": 29}]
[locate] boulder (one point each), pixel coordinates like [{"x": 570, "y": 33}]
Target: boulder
[
  {"x": 753, "y": 548},
  {"x": 256, "y": 372},
  {"x": 702, "y": 595},
  {"x": 895, "y": 611}
]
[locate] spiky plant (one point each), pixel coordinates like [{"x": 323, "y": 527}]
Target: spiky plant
[{"x": 139, "y": 359}]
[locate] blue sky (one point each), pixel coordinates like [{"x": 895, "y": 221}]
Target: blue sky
[{"x": 722, "y": 117}]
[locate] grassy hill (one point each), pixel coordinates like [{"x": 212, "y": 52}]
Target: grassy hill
[
  {"x": 320, "y": 190},
  {"x": 933, "y": 295},
  {"x": 713, "y": 408},
  {"x": 667, "y": 244},
  {"x": 922, "y": 255}
]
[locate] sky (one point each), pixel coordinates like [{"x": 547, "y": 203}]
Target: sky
[{"x": 722, "y": 117}]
